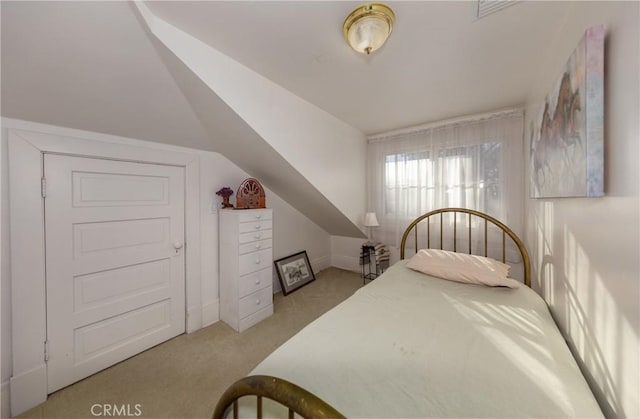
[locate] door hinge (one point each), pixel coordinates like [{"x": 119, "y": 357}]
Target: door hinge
[
  {"x": 43, "y": 187},
  {"x": 46, "y": 351}
]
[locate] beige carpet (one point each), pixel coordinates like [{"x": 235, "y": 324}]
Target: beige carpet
[{"x": 184, "y": 377}]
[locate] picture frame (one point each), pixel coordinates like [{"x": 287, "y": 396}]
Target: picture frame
[
  {"x": 294, "y": 272},
  {"x": 567, "y": 137}
]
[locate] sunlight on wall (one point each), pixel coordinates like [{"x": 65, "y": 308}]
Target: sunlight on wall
[
  {"x": 544, "y": 244},
  {"x": 585, "y": 289},
  {"x": 585, "y": 251},
  {"x": 602, "y": 338}
]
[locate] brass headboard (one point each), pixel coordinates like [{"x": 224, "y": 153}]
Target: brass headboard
[
  {"x": 506, "y": 231},
  {"x": 298, "y": 400}
]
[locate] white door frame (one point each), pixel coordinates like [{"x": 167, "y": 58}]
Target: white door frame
[{"x": 28, "y": 384}]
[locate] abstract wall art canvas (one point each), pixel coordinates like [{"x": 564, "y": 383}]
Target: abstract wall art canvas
[{"x": 567, "y": 137}]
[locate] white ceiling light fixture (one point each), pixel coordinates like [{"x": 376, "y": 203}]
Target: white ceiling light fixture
[{"x": 367, "y": 28}]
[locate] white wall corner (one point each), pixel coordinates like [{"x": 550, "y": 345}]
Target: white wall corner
[
  {"x": 345, "y": 253},
  {"x": 5, "y": 399},
  {"x": 348, "y": 263},
  {"x": 210, "y": 313},
  {"x": 321, "y": 263}
]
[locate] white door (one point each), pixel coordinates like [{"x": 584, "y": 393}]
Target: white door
[{"x": 114, "y": 262}]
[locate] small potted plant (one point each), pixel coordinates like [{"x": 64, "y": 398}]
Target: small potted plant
[{"x": 225, "y": 193}]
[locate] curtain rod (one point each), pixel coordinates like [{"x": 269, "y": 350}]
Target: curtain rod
[{"x": 389, "y": 135}]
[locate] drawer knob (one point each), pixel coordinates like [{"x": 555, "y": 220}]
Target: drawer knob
[
  {"x": 258, "y": 246},
  {"x": 258, "y": 261},
  {"x": 257, "y": 282},
  {"x": 257, "y": 236},
  {"x": 258, "y": 302},
  {"x": 258, "y": 216},
  {"x": 257, "y": 226}
]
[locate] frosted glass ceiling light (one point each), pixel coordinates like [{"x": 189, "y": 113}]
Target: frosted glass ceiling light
[{"x": 367, "y": 28}]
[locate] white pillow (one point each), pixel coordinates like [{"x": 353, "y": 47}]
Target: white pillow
[{"x": 461, "y": 267}]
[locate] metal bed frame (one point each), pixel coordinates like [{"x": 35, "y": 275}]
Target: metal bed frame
[
  {"x": 487, "y": 220},
  {"x": 302, "y": 402}
]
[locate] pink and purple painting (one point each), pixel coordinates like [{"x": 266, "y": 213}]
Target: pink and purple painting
[{"x": 567, "y": 138}]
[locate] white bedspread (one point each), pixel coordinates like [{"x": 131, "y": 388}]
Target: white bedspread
[{"x": 409, "y": 345}]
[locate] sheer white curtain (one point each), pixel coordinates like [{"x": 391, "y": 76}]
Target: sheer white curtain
[{"x": 476, "y": 164}]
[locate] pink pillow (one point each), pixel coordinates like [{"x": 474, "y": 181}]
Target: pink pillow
[{"x": 461, "y": 267}]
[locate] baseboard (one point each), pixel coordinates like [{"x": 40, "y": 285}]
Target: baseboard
[
  {"x": 194, "y": 319},
  {"x": 321, "y": 263},
  {"x": 348, "y": 263},
  {"x": 28, "y": 389},
  {"x": 210, "y": 313},
  {"x": 5, "y": 400}
]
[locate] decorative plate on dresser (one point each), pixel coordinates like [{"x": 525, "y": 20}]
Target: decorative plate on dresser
[{"x": 246, "y": 276}]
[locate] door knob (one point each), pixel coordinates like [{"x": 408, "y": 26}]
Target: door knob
[{"x": 177, "y": 245}]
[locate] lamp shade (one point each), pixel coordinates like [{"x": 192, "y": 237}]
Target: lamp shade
[
  {"x": 370, "y": 220},
  {"x": 367, "y": 28}
]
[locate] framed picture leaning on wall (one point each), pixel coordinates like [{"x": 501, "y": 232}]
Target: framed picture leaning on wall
[{"x": 294, "y": 272}]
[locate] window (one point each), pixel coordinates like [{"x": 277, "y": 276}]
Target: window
[
  {"x": 477, "y": 165},
  {"x": 467, "y": 177}
]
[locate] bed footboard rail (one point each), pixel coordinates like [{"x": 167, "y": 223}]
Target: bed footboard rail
[{"x": 293, "y": 397}]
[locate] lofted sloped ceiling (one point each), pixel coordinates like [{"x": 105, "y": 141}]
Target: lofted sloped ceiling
[
  {"x": 71, "y": 64},
  {"x": 441, "y": 61},
  {"x": 90, "y": 65},
  {"x": 241, "y": 144},
  {"x": 95, "y": 66}
]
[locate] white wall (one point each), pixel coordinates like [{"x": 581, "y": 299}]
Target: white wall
[
  {"x": 345, "y": 252},
  {"x": 292, "y": 230},
  {"x": 5, "y": 284},
  {"x": 5, "y": 319},
  {"x": 585, "y": 252}
]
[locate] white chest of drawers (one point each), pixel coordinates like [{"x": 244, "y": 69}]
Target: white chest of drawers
[{"x": 246, "y": 256}]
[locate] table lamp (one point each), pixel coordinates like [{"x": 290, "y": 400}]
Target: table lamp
[{"x": 370, "y": 220}]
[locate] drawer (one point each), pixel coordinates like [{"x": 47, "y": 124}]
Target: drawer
[
  {"x": 255, "y": 261},
  {"x": 255, "y": 281},
  {"x": 254, "y": 318},
  {"x": 246, "y": 216},
  {"x": 255, "y": 246},
  {"x": 256, "y": 235},
  {"x": 254, "y": 302},
  {"x": 255, "y": 226}
]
